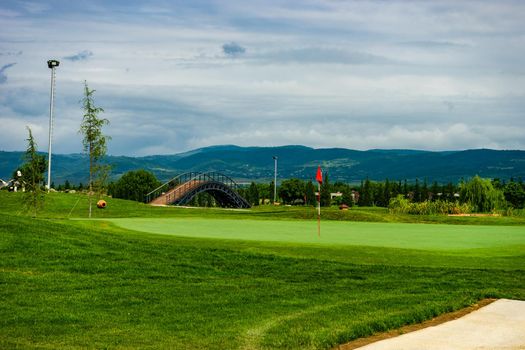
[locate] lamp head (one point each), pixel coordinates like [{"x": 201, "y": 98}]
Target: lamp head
[{"x": 52, "y": 63}]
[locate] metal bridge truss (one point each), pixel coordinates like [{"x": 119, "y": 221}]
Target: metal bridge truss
[{"x": 181, "y": 189}]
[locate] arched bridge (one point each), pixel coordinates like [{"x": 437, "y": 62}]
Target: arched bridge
[{"x": 181, "y": 189}]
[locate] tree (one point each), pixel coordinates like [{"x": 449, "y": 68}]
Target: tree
[
  {"x": 264, "y": 193},
  {"x": 253, "y": 194},
  {"x": 309, "y": 193},
  {"x": 417, "y": 192},
  {"x": 449, "y": 191},
  {"x": 134, "y": 185},
  {"x": 498, "y": 184},
  {"x": 291, "y": 190},
  {"x": 365, "y": 199},
  {"x": 387, "y": 193},
  {"x": 94, "y": 143},
  {"x": 272, "y": 190},
  {"x": 395, "y": 189},
  {"x": 202, "y": 199},
  {"x": 347, "y": 197},
  {"x": 481, "y": 195},
  {"x": 434, "y": 190},
  {"x": 514, "y": 194},
  {"x": 33, "y": 175},
  {"x": 378, "y": 194},
  {"x": 424, "y": 191}
]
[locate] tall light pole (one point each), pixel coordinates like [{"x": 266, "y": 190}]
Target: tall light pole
[
  {"x": 275, "y": 180},
  {"x": 51, "y": 64}
]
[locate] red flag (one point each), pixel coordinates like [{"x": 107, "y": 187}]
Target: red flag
[{"x": 319, "y": 176}]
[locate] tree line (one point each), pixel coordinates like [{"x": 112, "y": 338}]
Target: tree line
[
  {"x": 476, "y": 194},
  {"x": 380, "y": 193}
]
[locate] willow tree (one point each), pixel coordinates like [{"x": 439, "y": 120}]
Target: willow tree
[
  {"x": 94, "y": 142},
  {"x": 481, "y": 195}
]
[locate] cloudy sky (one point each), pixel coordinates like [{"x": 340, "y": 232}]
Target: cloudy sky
[{"x": 177, "y": 75}]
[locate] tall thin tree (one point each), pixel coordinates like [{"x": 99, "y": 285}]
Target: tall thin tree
[
  {"x": 33, "y": 175},
  {"x": 94, "y": 141}
]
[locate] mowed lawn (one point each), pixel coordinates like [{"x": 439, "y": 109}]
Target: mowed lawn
[
  {"x": 201, "y": 282},
  {"x": 76, "y": 284},
  {"x": 391, "y": 235}
]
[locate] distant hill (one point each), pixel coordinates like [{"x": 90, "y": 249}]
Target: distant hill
[{"x": 256, "y": 164}]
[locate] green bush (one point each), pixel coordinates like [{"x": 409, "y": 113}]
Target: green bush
[
  {"x": 401, "y": 205},
  {"x": 134, "y": 185}
]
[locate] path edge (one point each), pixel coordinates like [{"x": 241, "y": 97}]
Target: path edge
[{"x": 446, "y": 317}]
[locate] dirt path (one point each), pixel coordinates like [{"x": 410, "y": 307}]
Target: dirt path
[{"x": 488, "y": 325}]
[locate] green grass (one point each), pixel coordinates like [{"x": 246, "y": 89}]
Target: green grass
[
  {"x": 407, "y": 236},
  {"x": 93, "y": 284},
  {"x": 63, "y": 206}
]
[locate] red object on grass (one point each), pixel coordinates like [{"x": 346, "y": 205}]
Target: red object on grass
[{"x": 319, "y": 176}]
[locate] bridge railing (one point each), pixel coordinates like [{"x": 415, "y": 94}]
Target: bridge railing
[{"x": 185, "y": 181}]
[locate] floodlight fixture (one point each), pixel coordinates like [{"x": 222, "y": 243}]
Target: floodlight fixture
[{"x": 52, "y": 64}]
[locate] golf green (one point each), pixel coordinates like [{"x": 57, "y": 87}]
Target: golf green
[{"x": 393, "y": 235}]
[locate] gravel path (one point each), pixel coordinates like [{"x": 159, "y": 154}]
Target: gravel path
[{"x": 497, "y": 326}]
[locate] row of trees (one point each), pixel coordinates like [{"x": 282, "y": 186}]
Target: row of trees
[
  {"x": 483, "y": 195},
  {"x": 380, "y": 193},
  {"x": 369, "y": 193},
  {"x": 477, "y": 194},
  {"x": 291, "y": 191}
]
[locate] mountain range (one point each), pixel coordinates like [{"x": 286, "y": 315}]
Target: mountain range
[{"x": 245, "y": 164}]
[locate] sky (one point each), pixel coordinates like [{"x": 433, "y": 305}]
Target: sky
[{"x": 173, "y": 76}]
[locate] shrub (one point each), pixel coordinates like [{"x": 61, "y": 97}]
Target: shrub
[
  {"x": 401, "y": 205},
  {"x": 135, "y": 185}
]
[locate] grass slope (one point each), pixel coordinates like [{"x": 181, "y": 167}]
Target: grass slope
[
  {"x": 65, "y": 286},
  {"x": 90, "y": 284}
]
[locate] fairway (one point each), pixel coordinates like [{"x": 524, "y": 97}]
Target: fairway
[{"x": 391, "y": 235}]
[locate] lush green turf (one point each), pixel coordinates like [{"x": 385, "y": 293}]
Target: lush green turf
[
  {"x": 91, "y": 284},
  {"x": 408, "y": 236},
  {"x": 67, "y": 286}
]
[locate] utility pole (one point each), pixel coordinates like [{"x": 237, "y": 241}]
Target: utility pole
[
  {"x": 275, "y": 180},
  {"x": 52, "y": 64}
]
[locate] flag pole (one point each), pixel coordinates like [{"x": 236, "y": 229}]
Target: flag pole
[
  {"x": 319, "y": 179},
  {"x": 319, "y": 209}
]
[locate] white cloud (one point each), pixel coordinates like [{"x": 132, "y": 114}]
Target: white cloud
[{"x": 427, "y": 75}]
